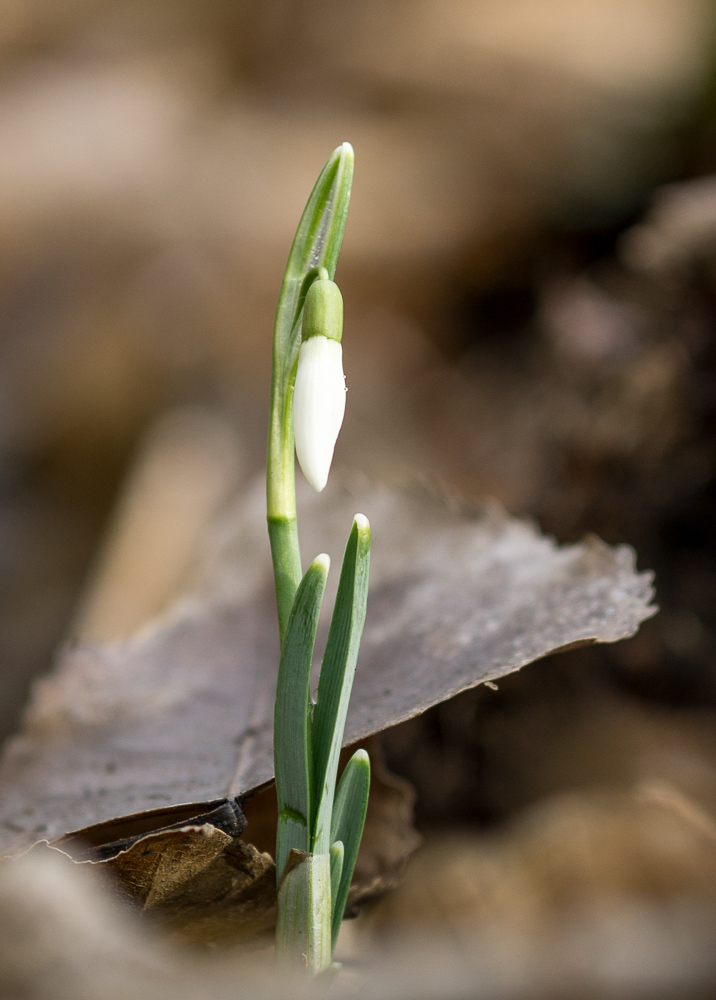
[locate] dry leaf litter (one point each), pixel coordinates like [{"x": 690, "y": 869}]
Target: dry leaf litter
[{"x": 537, "y": 330}]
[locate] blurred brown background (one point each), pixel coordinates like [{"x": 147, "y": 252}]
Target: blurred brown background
[{"x": 529, "y": 275}]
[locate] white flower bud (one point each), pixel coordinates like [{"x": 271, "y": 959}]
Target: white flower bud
[{"x": 319, "y": 403}]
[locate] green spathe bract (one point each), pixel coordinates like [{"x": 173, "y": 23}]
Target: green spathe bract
[{"x": 319, "y": 827}]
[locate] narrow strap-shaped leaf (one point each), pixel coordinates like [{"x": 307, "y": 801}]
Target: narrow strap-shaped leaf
[
  {"x": 337, "y": 673},
  {"x": 336, "y": 856},
  {"x": 293, "y": 755},
  {"x": 349, "y": 812},
  {"x": 303, "y": 929}
]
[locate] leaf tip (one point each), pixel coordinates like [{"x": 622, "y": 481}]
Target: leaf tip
[
  {"x": 322, "y": 561},
  {"x": 360, "y": 757},
  {"x": 361, "y": 522}
]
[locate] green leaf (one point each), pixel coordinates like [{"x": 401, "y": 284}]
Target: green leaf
[
  {"x": 349, "y": 811},
  {"x": 303, "y": 929},
  {"x": 293, "y": 755},
  {"x": 336, "y": 856},
  {"x": 337, "y": 673}
]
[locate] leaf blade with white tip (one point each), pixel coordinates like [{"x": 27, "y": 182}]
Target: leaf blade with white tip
[
  {"x": 349, "y": 812},
  {"x": 337, "y": 673},
  {"x": 293, "y": 754}
]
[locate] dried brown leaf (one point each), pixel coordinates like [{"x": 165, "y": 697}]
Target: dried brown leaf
[
  {"x": 175, "y": 721},
  {"x": 198, "y": 879}
]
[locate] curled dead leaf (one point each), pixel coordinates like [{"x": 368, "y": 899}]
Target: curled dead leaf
[{"x": 125, "y": 740}]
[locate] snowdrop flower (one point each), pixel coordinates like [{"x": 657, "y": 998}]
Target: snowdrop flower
[{"x": 319, "y": 396}]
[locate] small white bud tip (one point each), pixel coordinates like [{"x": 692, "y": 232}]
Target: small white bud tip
[
  {"x": 319, "y": 404},
  {"x": 361, "y": 522}
]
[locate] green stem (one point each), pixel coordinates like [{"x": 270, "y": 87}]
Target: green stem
[{"x": 281, "y": 503}]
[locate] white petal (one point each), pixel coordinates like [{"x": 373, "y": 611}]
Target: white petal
[{"x": 319, "y": 403}]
